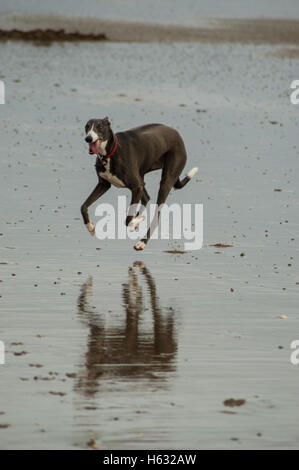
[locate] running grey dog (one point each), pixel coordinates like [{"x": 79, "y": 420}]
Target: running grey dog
[{"x": 125, "y": 157}]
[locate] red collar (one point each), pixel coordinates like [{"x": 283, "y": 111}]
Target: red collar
[{"x": 113, "y": 150}]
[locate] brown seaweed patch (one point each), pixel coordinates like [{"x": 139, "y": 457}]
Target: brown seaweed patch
[
  {"x": 221, "y": 245},
  {"x": 47, "y": 36},
  {"x": 234, "y": 402},
  {"x": 4, "y": 426}
]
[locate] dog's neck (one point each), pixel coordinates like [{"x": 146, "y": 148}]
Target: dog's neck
[
  {"x": 108, "y": 147},
  {"x": 103, "y": 146}
]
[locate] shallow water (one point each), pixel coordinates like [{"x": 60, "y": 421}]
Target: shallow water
[
  {"x": 139, "y": 350},
  {"x": 189, "y": 12}
]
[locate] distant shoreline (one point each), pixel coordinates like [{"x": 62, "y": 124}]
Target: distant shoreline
[{"x": 244, "y": 31}]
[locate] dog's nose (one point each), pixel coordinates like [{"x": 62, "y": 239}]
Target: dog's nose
[{"x": 88, "y": 139}]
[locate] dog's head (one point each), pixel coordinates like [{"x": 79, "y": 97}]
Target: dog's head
[{"x": 97, "y": 135}]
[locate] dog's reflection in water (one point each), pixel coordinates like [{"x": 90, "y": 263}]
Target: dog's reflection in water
[{"x": 142, "y": 346}]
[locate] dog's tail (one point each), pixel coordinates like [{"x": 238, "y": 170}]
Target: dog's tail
[{"x": 181, "y": 183}]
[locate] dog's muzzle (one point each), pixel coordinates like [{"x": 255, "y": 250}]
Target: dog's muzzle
[
  {"x": 94, "y": 144},
  {"x": 88, "y": 139}
]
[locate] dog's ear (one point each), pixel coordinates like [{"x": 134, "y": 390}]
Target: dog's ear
[{"x": 106, "y": 120}]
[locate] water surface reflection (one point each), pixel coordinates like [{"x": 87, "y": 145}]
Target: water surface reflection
[{"x": 140, "y": 345}]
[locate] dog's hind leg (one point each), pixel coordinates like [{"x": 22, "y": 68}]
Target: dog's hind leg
[
  {"x": 165, "y": 187},
  {"x": 181, "y": 183},
  {"x": 174, "y": 162},
  {"x": 173, "y": 166}
]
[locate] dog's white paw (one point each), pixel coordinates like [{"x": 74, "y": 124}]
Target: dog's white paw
[
  {"x": 91, "y": 228},
  {"x": 140, "y": 245},
  {"x": 192, "y": 172},
  {"x": 135, "y": 222}
]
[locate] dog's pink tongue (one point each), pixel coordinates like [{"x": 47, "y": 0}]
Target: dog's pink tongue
[{"x": 92, "y": 148}]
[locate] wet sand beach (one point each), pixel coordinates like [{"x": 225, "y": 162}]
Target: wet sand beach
[{"x": 163, "y": 348}]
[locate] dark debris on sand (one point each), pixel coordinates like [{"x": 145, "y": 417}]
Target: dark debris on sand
[{"x": 48, "y": 36}]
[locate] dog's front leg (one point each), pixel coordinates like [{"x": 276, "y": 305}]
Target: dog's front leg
[
  {"x": 136, "y": 196},
  {"x": 98, "y": 191}
]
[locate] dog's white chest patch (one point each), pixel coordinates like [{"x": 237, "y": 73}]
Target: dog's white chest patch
[{"x": 108, "y": 176}]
